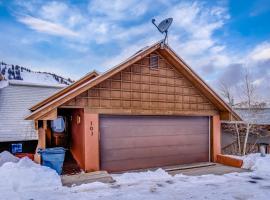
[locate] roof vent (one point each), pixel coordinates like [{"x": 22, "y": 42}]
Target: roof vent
[{"x": 153, "y": 62}]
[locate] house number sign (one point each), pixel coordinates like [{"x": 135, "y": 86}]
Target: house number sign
[{"x": 91, "y": 128}]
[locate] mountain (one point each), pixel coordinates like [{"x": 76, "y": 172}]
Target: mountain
[{"x": 16, "y": 72}]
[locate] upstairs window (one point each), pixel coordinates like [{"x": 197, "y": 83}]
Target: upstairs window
[{"x": 153, "y": 61}]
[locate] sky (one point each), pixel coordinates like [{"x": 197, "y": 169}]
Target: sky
[{"x": 218, "y": 39}]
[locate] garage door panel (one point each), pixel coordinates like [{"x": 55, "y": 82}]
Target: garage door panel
[
  {"x": 149, "y": 120},
  {"x": 154, "y": 162},
  {"x": 131, "y": 131},
  {"x": 150, "y": 152},
  {"x": 149, "y": 141},
  {"x": 134, "y": 142},
  {"x": 133, "y": 126}
]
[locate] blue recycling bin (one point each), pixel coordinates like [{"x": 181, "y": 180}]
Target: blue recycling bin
[{"x": 53, "y": 158}]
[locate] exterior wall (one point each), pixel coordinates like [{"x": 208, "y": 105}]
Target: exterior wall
[
  {"x": 15, "y": 100},
  {"x": 85, "y": 139},
  {"x": 77, "y": 137},
  {"x": 216, "y": 137},
  {"x": 91, "y": 142},
  {"x": 140, "y": 89}
]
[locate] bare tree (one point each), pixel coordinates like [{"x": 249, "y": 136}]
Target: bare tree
[
  {"x": 248, "y": 89},
  {"x": 247, "y": 93},
  {"x": 226, "y": 92}
]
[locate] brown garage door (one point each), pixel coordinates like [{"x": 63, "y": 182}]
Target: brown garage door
[{"x": 134, "y": 142}]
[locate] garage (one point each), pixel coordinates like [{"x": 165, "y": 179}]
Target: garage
[
  {"x": 136, "y": 142},
  {"x": 151, "y": 110}
]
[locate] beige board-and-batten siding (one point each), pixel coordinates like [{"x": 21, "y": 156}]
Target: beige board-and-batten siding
[{"x": 15, "y": 101}]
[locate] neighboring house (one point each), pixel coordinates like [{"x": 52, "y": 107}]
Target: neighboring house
[
  {"x": 259, "y": 132},
  {"x": 16, "y": 97},
  {"x": 151, "y": 110},
  {"x": 259, "y": 116}
]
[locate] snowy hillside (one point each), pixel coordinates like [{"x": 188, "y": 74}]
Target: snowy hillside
[{"x": 15, "y": 72}]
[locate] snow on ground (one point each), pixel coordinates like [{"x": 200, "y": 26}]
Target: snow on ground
[
  {"x": 256, "y": 162},
  {"x": 5, "y": 156},
  {"x": 27, "y": 180},
  {"x": 3, "y": 84}
]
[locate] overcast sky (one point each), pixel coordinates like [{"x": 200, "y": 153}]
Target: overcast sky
[{"x": 218, "y": 39}]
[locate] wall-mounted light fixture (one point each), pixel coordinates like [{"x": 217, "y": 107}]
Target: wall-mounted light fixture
[{"x": 78, "y": 119}]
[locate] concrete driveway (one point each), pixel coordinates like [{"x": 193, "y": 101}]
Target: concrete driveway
[
  {"x": 215, "y": 168},
  {"x": 195, "y": 169}
]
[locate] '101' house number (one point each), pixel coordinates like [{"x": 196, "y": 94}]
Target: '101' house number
[{"x": 91, "y": 128}]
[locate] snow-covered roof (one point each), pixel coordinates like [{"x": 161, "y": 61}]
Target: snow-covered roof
[
  {"x": 258, "y": 116},
  {"x": 15, "y": 100},
  {"x": 35, "y": 84},
  {"x": 3, "y": 83}
]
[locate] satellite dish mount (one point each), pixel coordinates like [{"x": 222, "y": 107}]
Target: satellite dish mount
[{"x": 163, "y": 28}]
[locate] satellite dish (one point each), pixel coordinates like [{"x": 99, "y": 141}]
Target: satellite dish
[{"x": 163, "y": 26}]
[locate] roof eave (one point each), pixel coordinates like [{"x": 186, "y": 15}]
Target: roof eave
[
  {"x": 223, "y": 104},
  {"x": 91, "y": 83},
  {"x": 89, "y": 76},
  {"x": 51, "y": 105}
]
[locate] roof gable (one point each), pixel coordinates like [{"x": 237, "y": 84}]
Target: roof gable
[
  {"x": 84, "y": 79},
  {"x": 142, "y": 89},
  {"x": 165, "y": 52}
]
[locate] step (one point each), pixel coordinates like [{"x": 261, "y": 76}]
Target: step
[{"x": 84, "y": 178}]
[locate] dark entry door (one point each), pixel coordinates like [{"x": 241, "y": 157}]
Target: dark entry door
[{"x": 135, "y": 142}]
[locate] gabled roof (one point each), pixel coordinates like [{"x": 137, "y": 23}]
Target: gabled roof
[
  {"x": 165, "y": 51},
  {"x": 84, "y": 79}
]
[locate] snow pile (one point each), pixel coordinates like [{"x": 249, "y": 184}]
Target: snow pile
[
  {"x": 3, "y": 84},
  {"x": 159, "y": 185},
  {"x": 152, "y": 185},
  {"x": 90, "y": 187},
  {"x": 5, "y": 156},
  {"x": 27, "y": 180},
  {"x": 27, "y": 175},
  {"x": 256, "y": 162},
  {"x": 134, "y": 177}
]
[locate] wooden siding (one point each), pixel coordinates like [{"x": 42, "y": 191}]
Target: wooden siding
[
  {"x": 139, "y": 89},
  {"x": 84, "y": 79}
]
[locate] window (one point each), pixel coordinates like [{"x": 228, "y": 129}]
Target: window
[
  {"x": 16, "y": 148},
  {"x": 153, "y": 61}
]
